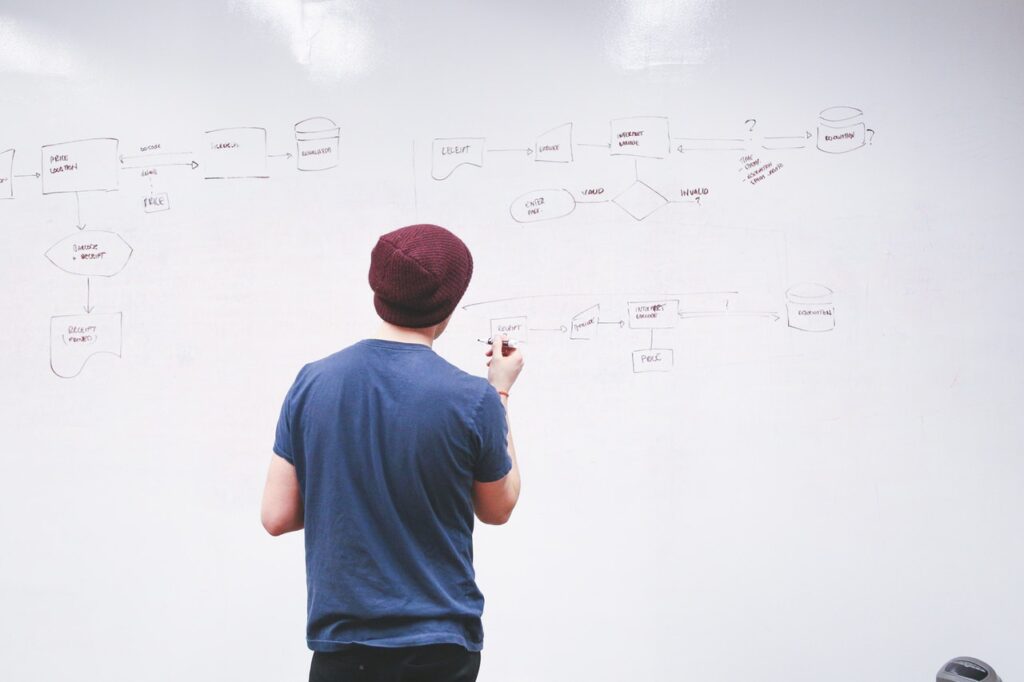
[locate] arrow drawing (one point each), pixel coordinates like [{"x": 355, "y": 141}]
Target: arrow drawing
[
  {"x": 805, "y": 136},
  {"x": 193, "y": 164},
  {"x": 707, "y": 139},
  {"x": 287, "y": 155},
  {"x": 158, "y": 160},
  {"x": 88, "y": 295},
  {"x": 78, "y": 210},
  {"x": 706, "y": 148},
  {"x": 778, "y": 146},
  {"x": 125, "y": 158},
  {"x": 620, "y": 324},
  {"x": 30, "y": 175},
  {"x": 604, "y": 294},
  {"x": 606, "y": 145},
  {"x": 524, "y": 149},
  {"x": 561, "y": 329},
  {"x": 730, "y": 313}
]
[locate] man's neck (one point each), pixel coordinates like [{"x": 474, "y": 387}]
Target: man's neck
[{"x": 391, "y": 332}]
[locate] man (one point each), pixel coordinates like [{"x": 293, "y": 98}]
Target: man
[{"x": 383, "y": 453}]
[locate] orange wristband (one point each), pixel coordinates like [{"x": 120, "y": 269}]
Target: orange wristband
[{"x": 504, "y": 393}]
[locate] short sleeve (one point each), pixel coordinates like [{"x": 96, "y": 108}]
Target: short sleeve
[
  {"x": 283, "y": 438},
  {"x": 492, "y": 462}
]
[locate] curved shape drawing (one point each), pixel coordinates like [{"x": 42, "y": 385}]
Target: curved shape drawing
[
  {"x": 450, "y": 153},
  {"x": 75, "y": 339},
  {"x": 542, "y": 204},
  {"x": 91, "y": 253}
]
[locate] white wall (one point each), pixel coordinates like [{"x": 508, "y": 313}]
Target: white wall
[{"x": 781, "y": 504}]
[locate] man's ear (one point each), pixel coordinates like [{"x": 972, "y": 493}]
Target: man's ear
[{"x": 442, "y": 325}]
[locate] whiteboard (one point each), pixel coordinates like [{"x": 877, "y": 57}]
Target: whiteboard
[{"x": 763, "y": 259}]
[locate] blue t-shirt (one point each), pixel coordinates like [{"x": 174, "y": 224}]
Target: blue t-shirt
[{"x": 386, "y": 439}]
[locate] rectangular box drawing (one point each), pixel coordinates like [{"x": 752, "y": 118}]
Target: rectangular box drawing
[
  {"x": 652, "y": 360},
  {"x": 154, "y": 203},
  {"x": 514, "y": 327},
  {"x": 584, "y": 324},
  {"x": 236, "y": 153},
  {"x": 645, "y": 136},
  {"x": 653, "y": 314},
  {"x": 80, "y": 166},
  {"x": 7, "y": 174}
]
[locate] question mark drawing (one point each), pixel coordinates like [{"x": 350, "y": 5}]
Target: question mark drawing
[
  {"x": 752, "y": 122},
  {"x": 872, "y": 135}
]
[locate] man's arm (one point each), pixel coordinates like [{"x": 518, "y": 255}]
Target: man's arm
[
  {"x": 493, "y": 502},
  {"x": 281, "y": 511}
]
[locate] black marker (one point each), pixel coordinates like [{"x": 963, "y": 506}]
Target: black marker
[{"x": 506, "y": 344}]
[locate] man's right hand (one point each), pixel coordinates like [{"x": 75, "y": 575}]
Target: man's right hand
[{"x": 503, "y": 369}]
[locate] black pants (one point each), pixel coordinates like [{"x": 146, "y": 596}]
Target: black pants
[{"x": 433, "y": 663}]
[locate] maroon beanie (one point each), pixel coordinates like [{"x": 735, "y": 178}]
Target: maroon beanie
[{"x": 418, "y": 275}]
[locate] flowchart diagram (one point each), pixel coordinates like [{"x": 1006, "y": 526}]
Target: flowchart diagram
[
  {"x": 99, "y": 165},
  {"x": 645, "y": 321},
  {"x": 809, "y": 307},
  {"x": 837, "y": 130},
  {"x": 96, "y": 165}
]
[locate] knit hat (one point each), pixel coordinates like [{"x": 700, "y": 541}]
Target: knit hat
[{"x": 418, "y": 275}]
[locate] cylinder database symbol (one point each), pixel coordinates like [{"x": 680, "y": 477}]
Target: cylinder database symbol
[
  {"x": 841, "y": 130},
  {"x": 316, "y": 141},
  {"x": 810, "y": 308}
]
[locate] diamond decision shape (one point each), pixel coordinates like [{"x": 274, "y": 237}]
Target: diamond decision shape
[{"x": 639, "y": 200}]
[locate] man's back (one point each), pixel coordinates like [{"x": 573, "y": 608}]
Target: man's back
[{"x": 387, "y": 439}]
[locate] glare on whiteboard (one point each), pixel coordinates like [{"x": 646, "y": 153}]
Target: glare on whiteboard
[
  {"x": 665, "y": 32},
  {"x": 26, "y": 51},
  {"x": 330, "y": 38}
]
